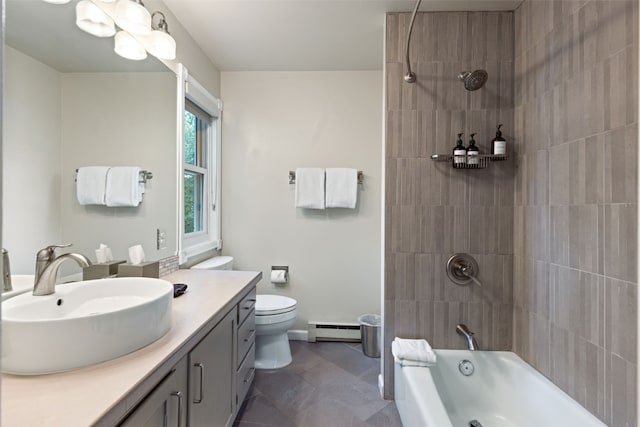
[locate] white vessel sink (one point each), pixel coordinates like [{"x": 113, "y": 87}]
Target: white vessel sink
[
  {"x": 20, "y": 283},
  {"x": 83, "y": 323}
]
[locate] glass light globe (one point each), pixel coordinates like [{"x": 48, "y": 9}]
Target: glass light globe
[
  {"x": 93, "y": 20},
  {"x": 128, "y": 47},
  {"x": 133, "y": 17},
  {"x": 161, "y": 45}
]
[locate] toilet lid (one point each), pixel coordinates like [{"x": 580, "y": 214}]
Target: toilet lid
[
  {"x": 213, "y": 263},
  {"x": 273, "y": 304}
]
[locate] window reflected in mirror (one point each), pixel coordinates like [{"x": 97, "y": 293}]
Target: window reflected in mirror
[{"x": 197, "y": 145}]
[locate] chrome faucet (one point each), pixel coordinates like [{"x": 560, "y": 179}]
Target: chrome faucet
[
  {"x": 47, "y": 266},
  {"x": 472, "y": 344}
]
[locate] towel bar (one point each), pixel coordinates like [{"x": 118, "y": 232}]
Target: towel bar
[
  {"x": 292, "y": 177},
  {"x": 144, "y": 176}
]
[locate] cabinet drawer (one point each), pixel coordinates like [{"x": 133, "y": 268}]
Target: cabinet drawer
[
  {"x": 166, "y": 404},
  {"x": 246, "y": 337},
  {"x": 245, "y": 375},
  {"x": 246, "y": 305}
]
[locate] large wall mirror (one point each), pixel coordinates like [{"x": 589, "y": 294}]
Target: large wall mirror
[{"x": 69, "y": 102}]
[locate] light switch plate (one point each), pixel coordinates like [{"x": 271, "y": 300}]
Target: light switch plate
[{"x": 161, "y": 238}]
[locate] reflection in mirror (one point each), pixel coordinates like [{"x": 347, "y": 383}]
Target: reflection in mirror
[{"x": 69, "y": 102}]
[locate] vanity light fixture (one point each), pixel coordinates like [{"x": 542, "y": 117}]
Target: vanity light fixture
[
  {"x": 128, "y": 47},
  {"x": 139, "y": 34},
  {"x": 133, "y": 17},
  {"x": 160, "y": 43},
  {"x": 93, "y": 20}
]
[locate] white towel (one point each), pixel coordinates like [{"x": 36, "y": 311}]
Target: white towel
[
  {"x": 91, "y": 185},
  {"x": 408, "y": 352},
  {"x": 123, "y": 187},
  {"x": 342, "y": 188},
  {"x": 310, "y": 188}
]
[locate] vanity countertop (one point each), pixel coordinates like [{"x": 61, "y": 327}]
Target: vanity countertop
[{"x": 104, "y": 393}]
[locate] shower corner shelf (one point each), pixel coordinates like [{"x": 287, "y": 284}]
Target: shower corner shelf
[{"x": 483, "y": 160}]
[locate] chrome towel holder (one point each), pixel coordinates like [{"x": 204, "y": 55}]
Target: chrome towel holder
[
  {"x": 145, "y": 176},
  {"x": 292, "y": 177}
]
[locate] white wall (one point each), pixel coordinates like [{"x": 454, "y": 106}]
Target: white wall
[
  {"x": 277, "y": 121},
  {"x": 120, "y": 119},
  {"x": 31, "y": 158},
  {"x": 188, "y": 52}
]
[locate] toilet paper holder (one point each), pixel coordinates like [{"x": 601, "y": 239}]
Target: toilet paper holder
[{"x": 276, "y": 272}]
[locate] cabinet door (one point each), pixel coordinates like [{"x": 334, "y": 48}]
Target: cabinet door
[
  {"x": 212, "y": 376},
  {"x": 166, "y": 405}
]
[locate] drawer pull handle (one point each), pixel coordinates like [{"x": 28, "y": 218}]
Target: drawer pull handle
[
  {"x": 252, "y": 333},
  {"x": 179, "y": 396},
  {"x": 247, "y": 377},
  {"x": 251, "y": 301},
  {"x": 201, "y": 397}
]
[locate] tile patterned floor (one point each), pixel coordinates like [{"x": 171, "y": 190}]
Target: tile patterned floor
[{"x": 326, "y": 385}]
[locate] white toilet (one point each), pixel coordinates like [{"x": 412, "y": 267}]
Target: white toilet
[
  {"x": 275, "y": 315},
  {"x": 215, "y": 263}
]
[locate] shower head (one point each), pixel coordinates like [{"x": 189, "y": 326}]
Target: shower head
[{"x": 473, "y": 80}]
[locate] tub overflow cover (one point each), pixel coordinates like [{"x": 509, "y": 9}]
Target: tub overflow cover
[{"x": 466, "y": 368}]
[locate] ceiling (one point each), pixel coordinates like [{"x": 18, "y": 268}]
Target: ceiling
[{"x": 300, "y": 35}]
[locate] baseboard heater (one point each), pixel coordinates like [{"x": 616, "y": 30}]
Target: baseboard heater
[{"x": 335, "y": 331}]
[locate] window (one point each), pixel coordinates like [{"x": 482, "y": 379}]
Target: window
[
  {"x": 199, "y": 154},
  {"x": 197, "y": 145}
]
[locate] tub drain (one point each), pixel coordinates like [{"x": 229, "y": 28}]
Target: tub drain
[{"x": 474, "y": 423}]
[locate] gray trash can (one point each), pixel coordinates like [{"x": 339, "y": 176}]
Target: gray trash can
[{"x": 370, "y": 333}]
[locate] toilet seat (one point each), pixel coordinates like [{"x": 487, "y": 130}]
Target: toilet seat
[
  {"x": 269, "y": 305},
  {"x": 271, "y": 319}
]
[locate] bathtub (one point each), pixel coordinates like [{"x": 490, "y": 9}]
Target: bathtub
[{"x": 502, "y": 391}]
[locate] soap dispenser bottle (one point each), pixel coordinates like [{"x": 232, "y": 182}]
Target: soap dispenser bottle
[
  {"x": 459, "y": 153},
  {"x": 499, "y": 144},
  {"x": 472, "y": 153}
]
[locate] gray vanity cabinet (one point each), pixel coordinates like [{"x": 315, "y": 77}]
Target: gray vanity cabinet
[
  {"x": 212, "y": 376},
  {"x": 245, "y": 347},
  {"x": 166, "y": 404},
  {"x": 207, "y": 387}
]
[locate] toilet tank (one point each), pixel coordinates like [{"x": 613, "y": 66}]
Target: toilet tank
[{"x": 215, "y": 263}]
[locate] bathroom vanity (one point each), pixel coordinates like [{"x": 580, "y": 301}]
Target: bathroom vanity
[{"x": 198, "y": 373}]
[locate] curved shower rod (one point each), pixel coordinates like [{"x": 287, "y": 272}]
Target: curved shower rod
[{"x": 410, "y": 77}]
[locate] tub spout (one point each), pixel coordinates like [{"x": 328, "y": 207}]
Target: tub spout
[{"x": 472, "y": 344}]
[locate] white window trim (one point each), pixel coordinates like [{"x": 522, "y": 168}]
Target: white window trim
[{"x": 201, "y": 242}]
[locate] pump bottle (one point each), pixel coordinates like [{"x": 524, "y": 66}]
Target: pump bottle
[
  {"x": 472, "y": 153},
  {"x": 459, "y": 153},
  {"x": 499, "y": 144}
]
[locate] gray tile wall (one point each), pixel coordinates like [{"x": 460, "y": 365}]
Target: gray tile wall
[
  {"x": 575, "y": 217},
  {"x": 432, "y": 210},
  {"x": 556, "y": 241}
]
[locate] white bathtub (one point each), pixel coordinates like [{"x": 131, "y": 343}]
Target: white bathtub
[{"x": 503, "y": 391}]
